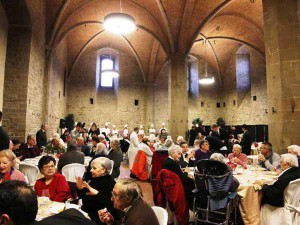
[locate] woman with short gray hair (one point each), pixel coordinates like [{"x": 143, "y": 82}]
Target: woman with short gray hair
[
  {"x": 295, "y": 150},
  {"x": 97, "y": 194}
]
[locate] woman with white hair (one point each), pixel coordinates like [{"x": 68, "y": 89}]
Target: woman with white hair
[
  {"x": 273, "y": 194},
  {"x": 97, "y": 194},
  {"x": 295, "y": 150}
]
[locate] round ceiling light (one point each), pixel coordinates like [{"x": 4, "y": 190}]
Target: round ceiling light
[
  {"x": 207, "y": 80},
  {"x": 119, "y": 23}
]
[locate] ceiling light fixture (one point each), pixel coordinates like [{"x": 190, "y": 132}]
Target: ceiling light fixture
[
  {"x": 206, "y": 80},
  {"x": 119, "y": 23}
]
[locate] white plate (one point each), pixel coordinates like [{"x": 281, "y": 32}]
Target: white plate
[{"x": 56, "y": 209}]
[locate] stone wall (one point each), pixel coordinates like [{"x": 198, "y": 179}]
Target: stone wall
[
  {"x": 57, "y": 102},
  {"x": 109, "y": 106},
  {"x": 3, "y": 41}
]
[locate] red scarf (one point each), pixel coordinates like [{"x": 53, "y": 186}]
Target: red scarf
[{"x": 6, "y": 176}]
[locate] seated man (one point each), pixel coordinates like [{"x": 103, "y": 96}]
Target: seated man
[
  {"x": 30, "y": 149},
  {"x": 187, "y": 158},
  {"x": 203, "y": 152},
  {"x": 274, "y": 194},
  {"x": 82, "y": 147},
  {"x": 127, "y": 197},
  {"x": 71, "y": 156},
  {"x": 18, "y": 203},
  {"x": 237, "y": 157},
  {"x": 267, "y": 158}
]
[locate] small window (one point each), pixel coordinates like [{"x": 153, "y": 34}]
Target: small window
[{"x": 106, "y": 63}]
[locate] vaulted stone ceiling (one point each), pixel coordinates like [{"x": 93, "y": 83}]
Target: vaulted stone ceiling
[{"x": 164, "y": 27}]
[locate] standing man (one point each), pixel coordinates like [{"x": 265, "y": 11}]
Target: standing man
[
  {"x": 133, "y": 148},
  {"x": 4, "y": 138},
  {"x": 246, "y": 141},
  {"x": 41, "y": 136}
]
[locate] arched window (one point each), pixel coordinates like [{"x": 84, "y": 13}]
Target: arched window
[
  {"x": 107, "y": 68},
  {"x": 106, "y": 63}
]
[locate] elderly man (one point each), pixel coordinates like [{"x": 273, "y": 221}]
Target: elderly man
[
  {"x": 55, "y": 147},
  {"x": 41, "y": 136},
  {"x": 116, "y": 155},
  {"x": 267, "y": 158},
  {"x": 18, "y": 203},
  {"x": 71, "y": 156},
  {"x": 82, "y": 147},
  {"x": 30, "y": 149},
  {"x": 127, "y": 197},
  {"x": 237, "y": 156},
  {"x": 203, "y": 152},
  {"x": 274, "y": 194}
]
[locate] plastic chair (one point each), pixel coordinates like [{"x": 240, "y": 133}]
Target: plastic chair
[
  {"x": 287, "y": 215},
  {"x": 31, "y": 172},
  {"x": 73, "y": 170},
  {"x": 161, "y": 215},
  {"x": 213, "y": 199}
]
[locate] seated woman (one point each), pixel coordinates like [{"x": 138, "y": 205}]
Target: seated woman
[
  {"x": 295, "y": 150},
  {"x": 97, "y": 194},
  {"x": 237, "y": 157},
  {"x": 273, "y": 194},
  {"x": 53, "y": 185},
  {"x": 7, "y": 172}
]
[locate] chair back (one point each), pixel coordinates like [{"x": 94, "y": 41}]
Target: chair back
[
  {"x": 73, "y": 170},
  {"x": 292, "y": 195},
  {"x": 157, "y": 161},
  {"x": 212, "y": 167},
  {"x": 31, "y": 172},
  {"x": 161, "y": 215}
]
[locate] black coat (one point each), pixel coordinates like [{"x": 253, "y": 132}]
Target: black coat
[
  {"x": 41, "y": 138},
  {"x": 117, "y": 156},
  {"x": 70, "y": 157},
  {"x": 92, "y": 203},
  {"x": 246, "y": 143},
  {"x": 274, "y": 194},
  {"x": 4, "y": 139},
  {"x": 214, "y": 143}
]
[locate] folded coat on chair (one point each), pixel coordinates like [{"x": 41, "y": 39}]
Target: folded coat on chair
[
  {"x": 140, "y": 166},
  {"x": 168, "y": 186}
]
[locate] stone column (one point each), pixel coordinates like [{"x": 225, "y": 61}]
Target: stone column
[
  {"x": 178, "y": 96},
  {"x": 281, "y": 30}
]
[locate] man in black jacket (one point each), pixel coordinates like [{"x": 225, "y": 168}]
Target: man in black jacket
[
  {"x": 41, "y": 136},
  {"x": 246, "y": 141},
  {"x": 4, "y": 138}
]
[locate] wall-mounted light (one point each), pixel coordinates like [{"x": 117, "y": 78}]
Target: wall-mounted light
[
  {"x": 266, "y": 110},
  {"x": 274, "y": 110}
]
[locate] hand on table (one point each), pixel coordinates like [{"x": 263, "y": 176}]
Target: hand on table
[{"x": 261, "y": 157}]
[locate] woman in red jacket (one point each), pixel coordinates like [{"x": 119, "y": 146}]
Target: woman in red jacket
[{"x": 53, "y": 185}]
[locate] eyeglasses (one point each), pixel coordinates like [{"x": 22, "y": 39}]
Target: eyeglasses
[
  {"x": 114, "y": 195},
  {"x": 48, "y": 167}
]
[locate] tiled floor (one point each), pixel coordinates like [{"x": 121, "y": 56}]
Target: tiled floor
[{"x": 145, "y": 185}]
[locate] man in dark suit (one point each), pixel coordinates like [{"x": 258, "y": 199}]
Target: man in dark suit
[
  {"x": 29, "y": 149},
  {"x": 215, "y": 144},
  {"x": 71, "y": 156},
  {"x": 82, "y": 147},
  {"x": 4, "y": 138},
  {"x": 274, "y": 194},
  {"x": 115, "y": 154},
  {"x": 127, "y": 197},
  {"x": 246, "y": 141},
  {"x": 41, "y": 137},
  {"x": 215, "y": 131}
]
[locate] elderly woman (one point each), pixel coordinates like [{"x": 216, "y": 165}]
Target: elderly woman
[
  {"x": 273, "y": 194},
  {"x": 128, "y": 197},
  {"x": 237, "y": 157},
  {"x": 55, "y": 146},
  {"x": 97, "y": 194},
  {"x": 53, "y": 185},
  {"x": 7, "y": 172},
  {"x": 295, "y": 150}
]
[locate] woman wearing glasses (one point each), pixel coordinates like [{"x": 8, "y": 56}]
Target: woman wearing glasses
[
  {"x": 97, "y": 194},
  {"x": 53, "y": 185}
]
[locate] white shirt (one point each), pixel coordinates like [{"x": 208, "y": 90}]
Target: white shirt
[{"x": 134, "y": 141}]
